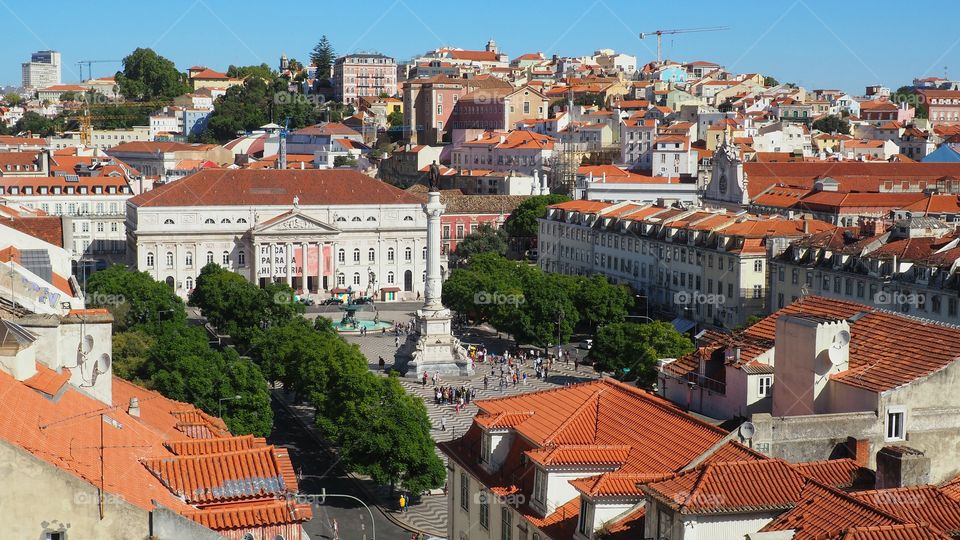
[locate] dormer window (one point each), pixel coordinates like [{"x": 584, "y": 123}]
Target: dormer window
[
  {"x": 485, "y": 448},
  {"x": 540, "y": 486}
]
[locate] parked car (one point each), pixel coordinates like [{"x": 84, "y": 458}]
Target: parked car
[
  {"x": 307, "y": 301},
  {"x": 587, "y": 344},
  {"x": 363, "y": 300},
  {"x": 332, "y": 301}
]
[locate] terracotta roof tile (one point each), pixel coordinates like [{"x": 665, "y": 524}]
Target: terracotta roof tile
[
  {"x": 239, "y": 187},
  {"x": 230, "y": 476},
  {"x": 47, "y": 380},
  {"x": 247, "y": 515}
]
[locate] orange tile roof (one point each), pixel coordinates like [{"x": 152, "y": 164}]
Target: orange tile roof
[
  {"x": 824, "y": 511},
  {"x": 581, "y": 206},
  {"x": 877, "y": 361},
  {"x": 891, "y": 532},
  {"x": 228, "y": 476},
  {"x": 239, "y": 187},
  {"x": 518, "y": 139},
  {"x": 597, "y": 455},
  {"x": 47, "y": 380},
  {"x": 193, "y": 447},
  {"x": 740, "y": 486},
  {"x": 852, "y": 175},
  {"x": 247, "y": 515},
  {"x": 842, "y": 473},
  {"x": 917, "y": 504}
]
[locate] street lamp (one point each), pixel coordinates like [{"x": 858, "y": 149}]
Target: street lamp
[
  {"x": 559, "y": 343},
  {"x": 221, "y": 400},
  {"x": 646, "y": 304}
]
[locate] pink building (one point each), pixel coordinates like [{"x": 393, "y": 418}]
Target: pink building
[
  {"x": 428, "y": 104},
  {"x": 364, "y": 75}
]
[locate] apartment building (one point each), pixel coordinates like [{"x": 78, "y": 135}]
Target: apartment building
[
  {"x": 363, "y": 75},
  {"x": 705, "y": 266}
]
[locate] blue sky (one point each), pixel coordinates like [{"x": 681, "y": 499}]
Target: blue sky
[{"x": 812, "y": 42}]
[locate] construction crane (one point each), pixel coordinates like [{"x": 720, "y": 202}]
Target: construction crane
[
  {"x": 89, "y": 64},
  {"x": 661, "y": 33}
]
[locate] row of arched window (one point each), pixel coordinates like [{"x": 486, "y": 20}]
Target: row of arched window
[{"x": 209, "y": 221}]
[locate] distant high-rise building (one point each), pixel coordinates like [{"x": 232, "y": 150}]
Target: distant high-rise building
[{"x": 42, "y": 70}]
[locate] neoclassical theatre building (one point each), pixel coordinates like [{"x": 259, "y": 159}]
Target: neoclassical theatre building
[{"x": 320, "y": 231}]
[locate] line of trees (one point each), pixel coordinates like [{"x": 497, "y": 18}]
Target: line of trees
[
  {"x": 155, "y": 346},
  {"x": 380, "y": 430}
]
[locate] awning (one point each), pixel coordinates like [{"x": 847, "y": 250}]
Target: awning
[{"x": 683, "y": 325}]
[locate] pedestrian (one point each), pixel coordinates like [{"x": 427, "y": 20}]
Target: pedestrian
[
  {"x": 576, "y": 364},
  {"x": 383, "y": 331},
  {"x": 396, "y": 342},
  {"x": 403, "y": 503},
  {"x": 336, "y": 530},
  {"x": 443, "y": 424},
  {"x": 424, "y": 378},
  {"x": 382, "y": 363},
  {"x": 486, "y": 382},
  {"x": 524, "y": 379}
]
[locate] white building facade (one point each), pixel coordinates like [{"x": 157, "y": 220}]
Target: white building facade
[{"x": 326, "y": 238}]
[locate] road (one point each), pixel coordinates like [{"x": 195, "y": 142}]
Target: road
[{"x": 318, "y": 472}]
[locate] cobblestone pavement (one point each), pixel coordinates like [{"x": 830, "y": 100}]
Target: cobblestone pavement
[{"x": 429, "y": 514}]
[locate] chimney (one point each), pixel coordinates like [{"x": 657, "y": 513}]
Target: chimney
[
  {"x": 503, "y": 139},
  {"x": 808, "y": 351},
  {"x": 859, "y": 450},
  {"x": 806, "y": 225},
  {"x": 134, "y": 408},
  {"x": 901, "y": 466}
]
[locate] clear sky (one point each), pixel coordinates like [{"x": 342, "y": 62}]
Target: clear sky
[{"x": 816, "y": 43}]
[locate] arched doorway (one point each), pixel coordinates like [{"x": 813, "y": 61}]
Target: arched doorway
[
  {"x": 408, "y": 281},
  {"x": 169, "y": 281}
]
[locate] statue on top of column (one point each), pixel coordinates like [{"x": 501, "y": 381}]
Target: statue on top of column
[{"x": 434, "y": 176}]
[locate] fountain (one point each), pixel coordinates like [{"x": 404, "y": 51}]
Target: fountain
[{"x": 350, "y": 322}]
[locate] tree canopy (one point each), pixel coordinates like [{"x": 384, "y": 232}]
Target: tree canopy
[
  {"x": 148, "y": 76},
  {"x": 154, "y": 345},
  {"x": 255, "y": 103},
  {"x": 832, "y": 124},
  {"x": 522, "y": 222},
  {"x": 322, "y": 56},
  {"x": 35, "y": 124},
  {"x": 631, "y": 351},
  {"x": 485, "y": 239},
  {"x": 531, "y": 304},
  {"x": 263, "y": 71},
  {"x": 382, "y": 431}
]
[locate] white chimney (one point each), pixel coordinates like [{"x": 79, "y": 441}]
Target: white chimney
[
  {"x": 134, "y": 408},
  {"x": 808, "y": 351}
]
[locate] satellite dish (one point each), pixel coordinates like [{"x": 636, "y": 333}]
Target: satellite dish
[
  {"x": 103, "y": 364},
  {"x": 87, "y": 344},
  {"x": 836, "y": 350},
  {"x": 93, "y": 378},
  {"x": 748, "y": 430}
]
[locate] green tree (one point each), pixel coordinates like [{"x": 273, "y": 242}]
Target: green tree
[
  {"x": 601, "y": 302},
  {"x": 148, "y": 76},
  {"x": 262, "y": 71},
  {"x": 255, "y": 103},
  {"x": 485, "y": 239},
  {"x": 322, "y": 56},
  {"x": 68, "y": 96},
  {"x": 130, "y": 351},
  {"x": 395, "y": 119},
  {"x": 135, "y": 298},
  {"x": 393, "y": 444},
  {"x": 631, "y": 351},
  {"x": 832, "y": 124},
  {"x": 522, "y": 222},
  {"x": 909, "y": 95},
  {"x": 12, "y": 98},
  {"x": 546, "y": 312},
  {"x": 36, "y": 124},
  {"x": 344, "y": 161},
  {"x": 769, "y": 81}
]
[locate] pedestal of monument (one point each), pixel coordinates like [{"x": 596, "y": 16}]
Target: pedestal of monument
[{"x": 436, "y": 350}]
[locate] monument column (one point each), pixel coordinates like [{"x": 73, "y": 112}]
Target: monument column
[
  {"x": 434, "y": 284},
  {"x": 436, "y": 350},
  {"x": 288, "y": 255},
  {"x": 320, "y": 267}
]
